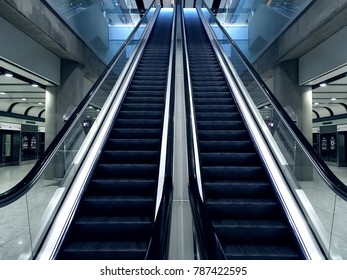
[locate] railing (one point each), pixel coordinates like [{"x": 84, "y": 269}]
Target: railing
[
  {"x": 31, "y": 204},
  {"x": 306, "y": 172}
]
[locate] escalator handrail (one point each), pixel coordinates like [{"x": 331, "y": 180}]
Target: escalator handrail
[
  {"x": 158, "y": 247},
  {"x": 209, "y": 245},
  {"x": 22, "y": 187},
  {"x": 334, "y": 183}
]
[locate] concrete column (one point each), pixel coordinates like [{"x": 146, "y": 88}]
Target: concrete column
[
  {"x": 58, "y": 99},
  {"x": 299, "y": 99}
]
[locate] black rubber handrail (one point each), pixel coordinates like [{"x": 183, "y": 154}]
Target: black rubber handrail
[
  {"x": 334, "y": 183},
  {"x": 34, "y": 174}
]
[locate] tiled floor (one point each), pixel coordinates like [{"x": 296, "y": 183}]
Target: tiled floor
[
  {"x": 330, "y": 212},
  {"x": 20, "y": 220},
  {"x": 17, "y": 218},
  {"x": 11, "y": 175}
]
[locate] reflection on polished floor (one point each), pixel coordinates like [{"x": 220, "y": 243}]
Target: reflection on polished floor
[
  {"x": 329, "y": 212},
  {"x": 20, "y": 222}
]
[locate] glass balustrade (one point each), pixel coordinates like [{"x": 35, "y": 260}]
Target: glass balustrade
[
  {"x": 102, "y": 25},
  {"x": 255, "y": 24}
]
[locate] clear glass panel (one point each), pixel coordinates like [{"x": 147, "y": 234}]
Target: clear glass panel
[
  {"x": 325, "y": 212},
  {"x": 102, "y": 25},
  {"x": 339, "y": 229},
  {"x": 24, "y": 222},
  {"x": 255, "y": 24},
  {"x": 14, "y": 229}
]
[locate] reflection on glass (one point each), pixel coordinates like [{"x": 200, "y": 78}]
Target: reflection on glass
[
  {"x": 102, "y": 25},
  {"x": 7, "y": 145},
  {"x": 255, "y": 24}
]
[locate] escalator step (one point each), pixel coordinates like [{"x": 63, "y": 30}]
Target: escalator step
[
  {"x": 144, "y": 100},
  {"x": 238, "y": 189},
  {"x": 229, "y": 159},
  {"x": 215, "y": 108},
  {"x": 238, "y": 209},
  {"x": 142, "y": 107},
  {"x": 131, "y": 157},
  {"x": 155, "y": 87},
  {"x": 140, "y": 115},
  {"x": 101, "y": 250},
  {"x": 135, "y": 133},
  {"x": 117, "y": 205},
  {"x": 226, "y": 146},
  {"x": 148, "y": 81},
  {"x": 108, "y": 228},
  {"x": 218, "y": 116},
  {"x": 260, "y": 252},
  {"x": 223, "y": 135},
  {"x": 218, "y": 125},
  {"x": 122, "y": 187},
  {"x": 133, "y": 144},
  {"x": 214, "y": 101},
  {"x": 212, "y": 95},
  {"x": 145, "y": 93},
  {"x": 119, "y": 170},
  {"x": 209, "y": 88},
  {"x": 265, "y": 232},
  {"x": 138, "y": 123},
  {"x": 236, "y": 173}
]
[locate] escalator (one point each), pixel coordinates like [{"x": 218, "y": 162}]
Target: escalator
[
  {"x": 238, "y": 193},
  {"x": 115, "y": 216}
]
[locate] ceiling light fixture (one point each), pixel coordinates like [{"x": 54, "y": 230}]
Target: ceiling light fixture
[
  {"x": 24, "y": 99},
  {"x": 323, "y": 85},
  {"x": 2, "y": 93},
  {"x": 35, "y": 85},
  {"x": 333, "y": 99},
  {"x": 8, "y": 75}
]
